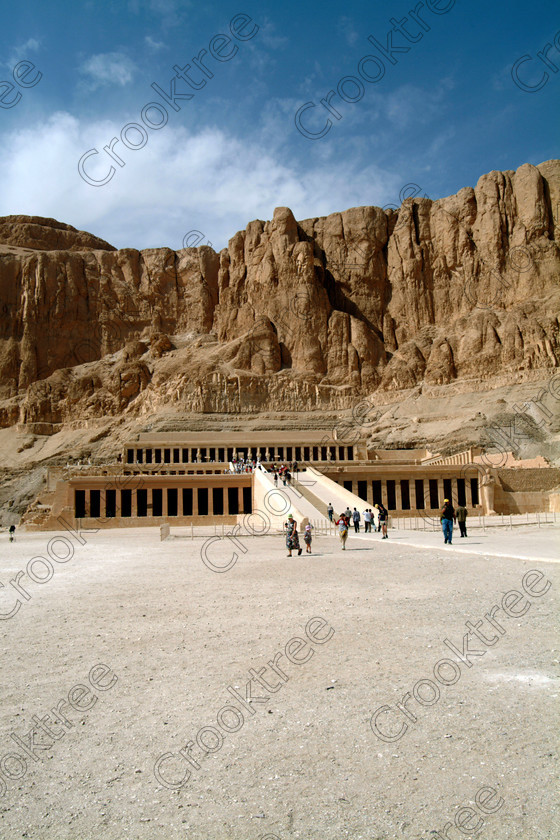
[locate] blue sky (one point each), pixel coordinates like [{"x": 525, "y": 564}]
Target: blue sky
[{"x": 438, "y": 115}]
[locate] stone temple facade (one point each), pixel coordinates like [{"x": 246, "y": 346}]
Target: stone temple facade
[{"x": 196, "y": 478}]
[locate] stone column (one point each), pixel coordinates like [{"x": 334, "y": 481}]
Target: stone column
[
  {"x": 441, "y": 494},
  {"x": 164, "y": 501},
  {"x": 384, "y": 493},
  {"x": 454, "y": 492},
  {"x": 398, "y": 494},
  {"x": 195, "y": 501},
  {"x": 134, "y": 502}
]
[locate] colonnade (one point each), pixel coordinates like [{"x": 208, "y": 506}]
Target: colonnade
[
  {"x": 415, "y": 494},
  {"x": 224, "y": 454},
  {"x": 108, "y": 503}
]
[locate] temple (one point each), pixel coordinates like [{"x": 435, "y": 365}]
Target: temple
[{"x": 217, "y": 477}]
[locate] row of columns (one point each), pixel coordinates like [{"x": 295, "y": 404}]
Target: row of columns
[
  {"x": 221, "y": 454},
  {"x": 229, "y": 492},
  {"x": 472, "y": 494}
]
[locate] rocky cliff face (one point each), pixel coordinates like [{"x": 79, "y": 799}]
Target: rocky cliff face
[{"x": 291, "y": 315}]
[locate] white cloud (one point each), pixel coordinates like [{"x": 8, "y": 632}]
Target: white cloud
[
  {"x": 154, "y": 46},
  {"x": 179, "y": 181},
  {"x": 22, "y": 51},
  {"x": 108, "y": 69}
]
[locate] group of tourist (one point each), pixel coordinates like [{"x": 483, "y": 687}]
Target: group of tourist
[
  {"x": 283, "y": 473},
  {"x": 240, "y": 465},
  {"x": 355, "y": 517},
  {"x": 292, "y": 537},
  {"x": 343, "y": 522},
  {"x": 448, "y": 516}
]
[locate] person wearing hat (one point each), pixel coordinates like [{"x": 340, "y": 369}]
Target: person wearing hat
[
  {"x": 343, "y": 523},
  {"x": 447, "y": 518},
  {"x": 292, "y": 537}
]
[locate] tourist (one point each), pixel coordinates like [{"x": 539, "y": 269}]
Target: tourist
[
  {"x": 462, "y": 514},
  {"x": 348, "y": 514},
  {"x": 330, "y": 511},
  {"x": 367, "y": 520},
  {"x": 342, "y": 524},
  {"x": 12, "y": 532},
  {"x": 288, "y": 477},
  {"x": 283, "y": 474},
  {"x": 356, "y": 520},
  {"x": 447, "y": 519},
  {"x": 307, "y": 537},
  {"x": 292, "y": 537},
  {"x": 275, "y": 478},
  {"x": 383, "y": 517}
]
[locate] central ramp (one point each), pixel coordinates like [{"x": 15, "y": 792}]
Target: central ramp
[
  {"x": 278, "y": 502},
  {"x": 320, "y": 491}
]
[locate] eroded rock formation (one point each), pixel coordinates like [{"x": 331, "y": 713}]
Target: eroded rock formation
[{"x": 291, "y": 315}]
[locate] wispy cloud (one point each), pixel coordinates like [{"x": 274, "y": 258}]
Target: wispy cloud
[
  {"x": 22, "y": 51},
  {"x": 169, "y": 13},
  {"x": 154, "y": 46},
  {"x": 346, "y": 26},
  {"x": 108, "y": 69}
]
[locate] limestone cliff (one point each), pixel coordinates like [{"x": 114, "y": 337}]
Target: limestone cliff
[{"x": 291, "y": 315}]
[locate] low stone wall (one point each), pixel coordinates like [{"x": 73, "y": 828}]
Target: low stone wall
[
  {"x": 89, "y": 523},
  {"x": 523, "y": 502}
]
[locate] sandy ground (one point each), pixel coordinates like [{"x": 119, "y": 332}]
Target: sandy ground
[{"x": 304, "y": 763}]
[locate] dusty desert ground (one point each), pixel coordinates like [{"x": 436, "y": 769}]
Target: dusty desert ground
[{"x": 304, "y": 763}]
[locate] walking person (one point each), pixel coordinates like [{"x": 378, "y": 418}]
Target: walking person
[
  {"x": 356, "y": 520},
  {"x": 330, "y": 511},
  {"x": 383, "y": 516},
  {"x": 378, "y": 509},
  {"x": 367, "y": 520},
  {"x": 12, "y": 532},
  {"x": 348, "y": 514},
  {"x": 307, "y": 537},
  {"x": 342, "y": 524},
  {"x": 447, "y": 518},
  {"x": 462, "y": 514},
  {"x": 292, "y": 536},
  {"x": 275, "y": 479}
]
